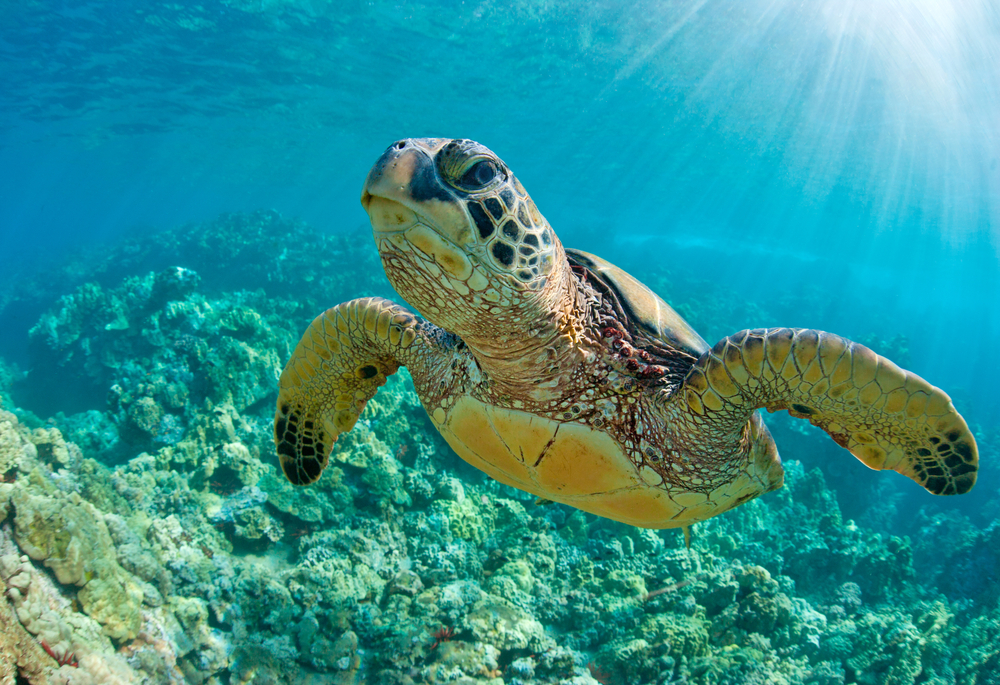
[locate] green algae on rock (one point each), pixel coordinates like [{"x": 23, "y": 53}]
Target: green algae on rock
[{"x": 69, "y": 536}]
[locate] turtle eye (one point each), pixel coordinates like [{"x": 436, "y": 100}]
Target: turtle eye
[
  {"x": 479, "y": 174},
  {"x": 468, "y": 166}
]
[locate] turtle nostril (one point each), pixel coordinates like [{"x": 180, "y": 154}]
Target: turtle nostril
[{"x": 400, "y": 145}]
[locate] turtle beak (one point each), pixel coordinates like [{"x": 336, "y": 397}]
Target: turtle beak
[
  {"x": 366, "y": 198},
  {"x": 385, "y": 195},
  {"x": 391, "y": 174},
  {"x": 404, "y": 188},
  {"x": 405, "y": 171}
]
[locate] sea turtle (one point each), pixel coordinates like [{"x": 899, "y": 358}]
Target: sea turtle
[{"x": 558, "y": 373}]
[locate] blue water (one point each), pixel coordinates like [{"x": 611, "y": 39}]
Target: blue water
[
  {"x": 775, "y": 146},
  {"x": 834, "y": 164}
]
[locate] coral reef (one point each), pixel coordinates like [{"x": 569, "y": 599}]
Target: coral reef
[
  {"x": 147, "y": 536},
  {"x": 68, "y": 535},
  {"x": 21, "y": 656}
]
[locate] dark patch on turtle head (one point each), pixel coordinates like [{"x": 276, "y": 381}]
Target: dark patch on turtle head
[
  {"x": 503, "y": 252},
  {"x": 412, "y": 155},
  {"x": 517, "y": 240},
  {"x": 426, "y": 185},
  {"x": 494, "y": 207},
  {"x": 482, "y": 221}
]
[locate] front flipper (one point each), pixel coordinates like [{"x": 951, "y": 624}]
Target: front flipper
[
  {"x": 343, "y": 358},
  {"x": 887, "y": 417}
]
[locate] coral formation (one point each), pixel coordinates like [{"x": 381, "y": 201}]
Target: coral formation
[
  {"x": 68, "y": 535},
  {"x": 147, "y": 536},
  {"x": 21, "y": 656}
]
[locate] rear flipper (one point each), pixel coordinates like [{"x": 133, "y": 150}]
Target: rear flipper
[
  {"x": 344, "y": 357},
  {"x": 887, "y": 417}
]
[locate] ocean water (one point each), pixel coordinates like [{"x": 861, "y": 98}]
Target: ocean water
[{"x": 179, "y": 197}]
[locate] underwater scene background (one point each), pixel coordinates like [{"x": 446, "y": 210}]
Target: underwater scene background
[{"x": 179, "y": 191}]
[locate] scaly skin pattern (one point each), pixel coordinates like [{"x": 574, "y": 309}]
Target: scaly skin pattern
[
  {"x": 887, "y": 417},
  {"x": 342, "y": 360},
  {"x": 549, "y": 375}
]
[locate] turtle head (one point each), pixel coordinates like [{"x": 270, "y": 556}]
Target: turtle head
[{"x": 459, "y": 237}]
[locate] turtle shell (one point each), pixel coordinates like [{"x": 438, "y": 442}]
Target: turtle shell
[
  {"x": 586, "y": 468},
  {"x": 643, "y": 308}
]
